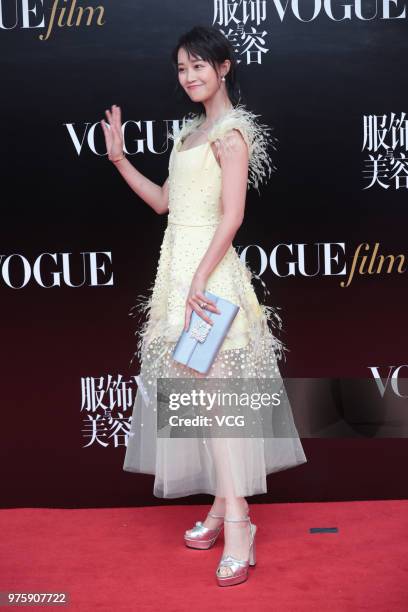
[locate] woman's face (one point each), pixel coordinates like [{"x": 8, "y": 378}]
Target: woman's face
[{"x": 197, "y": 77}]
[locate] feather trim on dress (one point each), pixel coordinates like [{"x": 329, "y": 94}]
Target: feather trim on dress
[{"x": 258, "y": 137}]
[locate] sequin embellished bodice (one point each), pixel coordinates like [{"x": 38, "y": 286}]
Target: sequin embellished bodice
[
  {"x": 195, "y": 176},
  {"x": 194, "y": 186}
]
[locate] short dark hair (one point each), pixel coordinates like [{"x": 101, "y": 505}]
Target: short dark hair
[{"x": 213, "y": 47}]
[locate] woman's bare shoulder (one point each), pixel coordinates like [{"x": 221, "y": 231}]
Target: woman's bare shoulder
[{"x": 257, "y": 135}]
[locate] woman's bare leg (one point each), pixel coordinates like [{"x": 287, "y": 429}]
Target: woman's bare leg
[
  {"x": 228, "y": 503},
  {"x": 236, "y": 535},
  {"x": 218, "y": 508}
]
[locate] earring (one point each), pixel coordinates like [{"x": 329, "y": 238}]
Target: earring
[{"x": 223, "y": 78}]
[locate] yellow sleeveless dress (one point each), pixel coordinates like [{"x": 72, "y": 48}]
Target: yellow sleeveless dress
[{"x": 186, "y": 466}]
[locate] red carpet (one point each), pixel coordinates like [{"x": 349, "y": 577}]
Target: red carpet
[{"x": 135, "y": 559}]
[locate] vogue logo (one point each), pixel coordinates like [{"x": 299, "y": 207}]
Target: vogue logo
[
  {"x": 326, "y": 259},
  {"x": 392, "y": 380},
  {"x": 64, "y": 13},
  {"x": 131, "y": 130},
  {"x": 57, "y": 269},
  {"x": 366, "y": 10}
]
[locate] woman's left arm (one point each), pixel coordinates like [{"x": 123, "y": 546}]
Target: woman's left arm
[{"x": 233, "y": 156}]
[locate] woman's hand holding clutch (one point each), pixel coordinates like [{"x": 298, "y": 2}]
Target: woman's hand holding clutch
[{"x": 196, "y": 300}]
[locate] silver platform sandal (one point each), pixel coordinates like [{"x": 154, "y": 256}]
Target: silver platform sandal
[
  {"x": 202, "y": 537},
  {"x": 239, "y": 568}
]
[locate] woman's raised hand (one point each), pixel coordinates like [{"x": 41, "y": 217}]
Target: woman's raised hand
[{"x": 113, "y": 133}]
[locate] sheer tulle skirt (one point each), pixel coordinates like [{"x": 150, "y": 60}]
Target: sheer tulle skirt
[{"x": 215, "y": 465}]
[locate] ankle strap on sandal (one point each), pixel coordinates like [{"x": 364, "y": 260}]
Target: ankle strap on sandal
[
  {"x": 237, "y": 520},
  {"x": 215, "y": 515}
]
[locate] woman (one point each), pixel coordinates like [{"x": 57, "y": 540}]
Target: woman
[{"x": 215, "y": 157}]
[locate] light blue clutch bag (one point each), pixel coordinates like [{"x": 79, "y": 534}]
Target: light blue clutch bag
[{"x": 198, "y": 346}]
